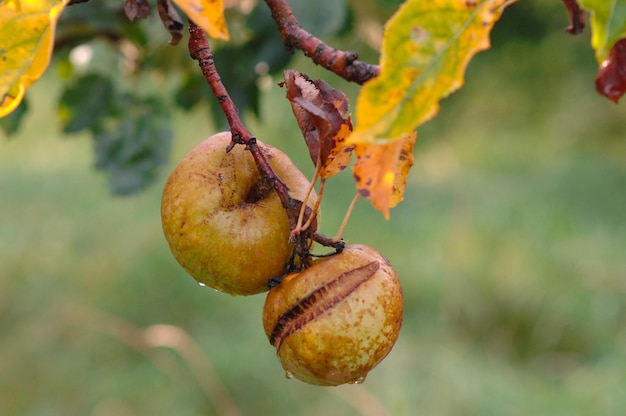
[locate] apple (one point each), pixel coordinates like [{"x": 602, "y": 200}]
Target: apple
[
  {"x": 335, "y": 321},
  {"x": 224, "y": 224}
]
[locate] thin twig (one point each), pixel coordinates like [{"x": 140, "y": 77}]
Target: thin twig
[
  {"x": 317, "y": 205},
  {"x": 343, "y": 63},
  {"x": 346, "y": 217},
  {"x": 299, "y": 228}
]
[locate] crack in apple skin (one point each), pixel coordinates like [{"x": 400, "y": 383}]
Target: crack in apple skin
[{"x": 319, "y": 301}]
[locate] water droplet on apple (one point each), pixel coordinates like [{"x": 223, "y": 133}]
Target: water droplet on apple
[
  {"x": 288, "y": 374},
  {"x": 359, "y": 380},
  {"x": 201, "y": 284}
]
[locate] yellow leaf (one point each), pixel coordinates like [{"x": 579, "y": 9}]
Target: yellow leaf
[
  {"x": 26, "y": 41},
  {"x": 207, "y": 14},
  {"x": 381, "y": 170},
  {"x": 426, "y": 48}
]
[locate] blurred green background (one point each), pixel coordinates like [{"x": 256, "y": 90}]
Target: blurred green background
[{"x": 510, "y": 245}]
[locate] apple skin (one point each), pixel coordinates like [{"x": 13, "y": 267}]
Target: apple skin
[
  {"x": 216, "y": 228},
  {"x": 335, "y": 321}
]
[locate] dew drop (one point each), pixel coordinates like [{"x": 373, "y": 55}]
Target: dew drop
[
  {"x": 288, "y": 374},
  {"x": 201, "y": 284},
  {"x": 359, "y": 380}
]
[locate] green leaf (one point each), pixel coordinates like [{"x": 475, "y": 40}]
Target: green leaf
[
  {"x": 427, "y": 46},
  {"x": 608, "y": 24},
  {"x": 133, "y": 148},
  {"x": 85, "y": 103}
]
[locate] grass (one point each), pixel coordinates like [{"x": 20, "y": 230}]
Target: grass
[{"x": 510, "y": 246}]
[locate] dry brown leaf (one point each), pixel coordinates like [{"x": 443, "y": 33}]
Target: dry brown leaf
[
  {"x": 171, "y": 20},
  {"x": 320, "y": 110}
]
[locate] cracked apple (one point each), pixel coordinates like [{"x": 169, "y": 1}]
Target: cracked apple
[{"x": 335, "y": 321}]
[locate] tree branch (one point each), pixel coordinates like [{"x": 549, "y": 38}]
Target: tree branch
[
  {"x": 342, "y": 63},
  {"x": 200, "y": 50}
]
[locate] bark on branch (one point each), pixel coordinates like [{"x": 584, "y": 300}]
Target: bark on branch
[{"x": 343, "y": 63}]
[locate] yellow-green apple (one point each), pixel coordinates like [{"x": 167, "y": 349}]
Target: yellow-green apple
[{"x": 224, "y": 223}]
